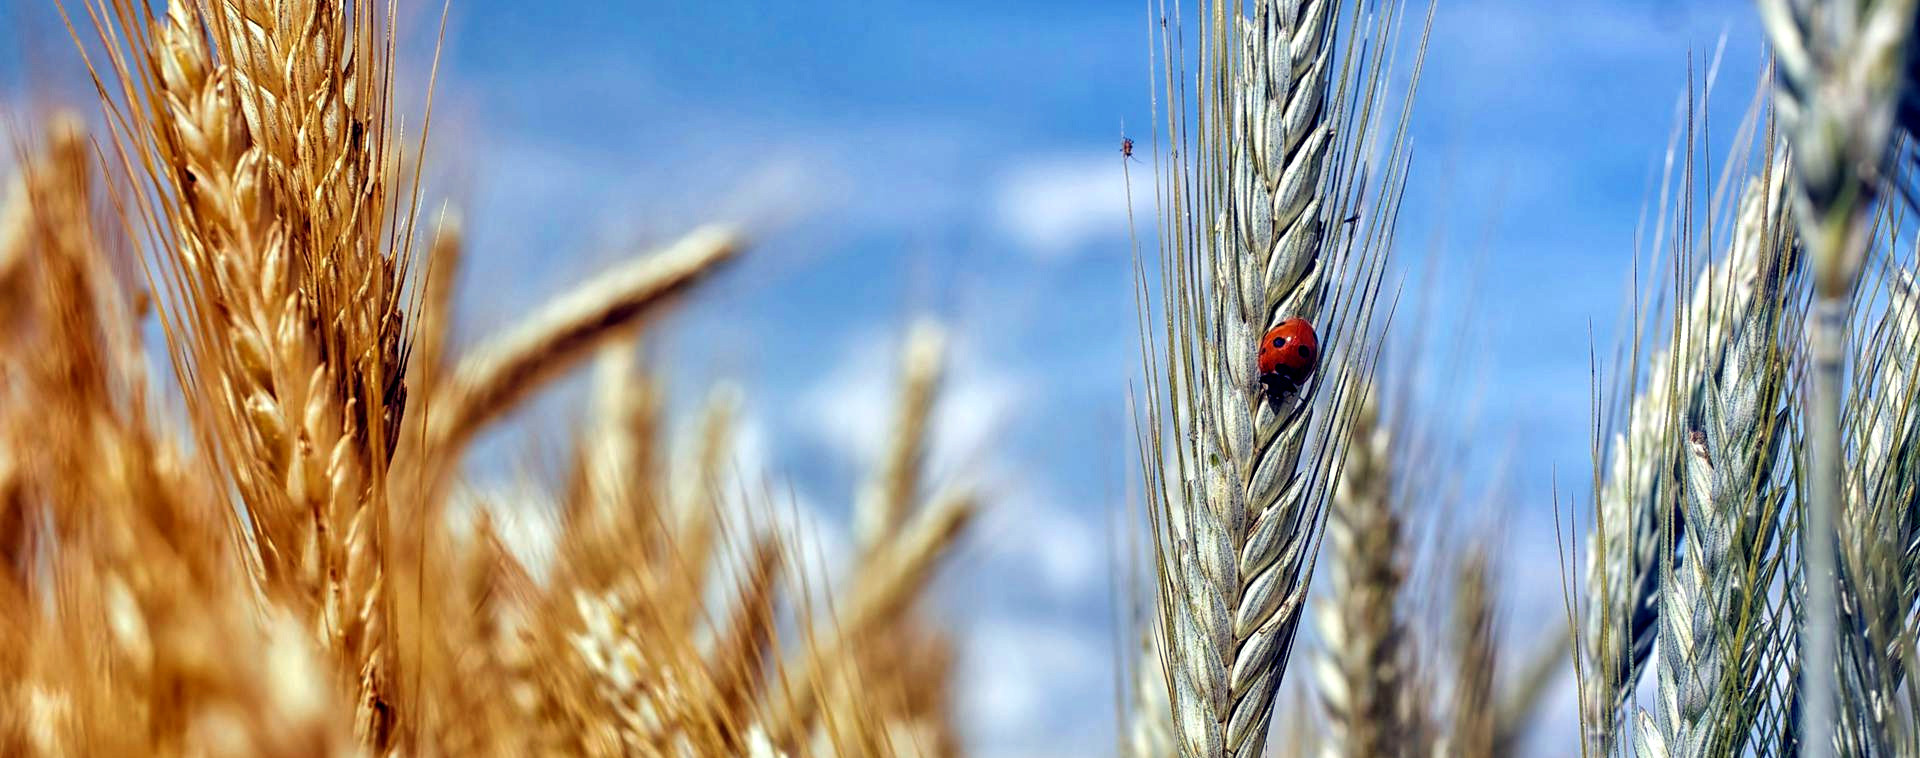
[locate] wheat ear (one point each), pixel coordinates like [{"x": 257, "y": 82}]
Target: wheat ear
[
  {"x": 1476, "y": 727},
  {"x": 433, "y": 325},
  {"x": 502, "y": 371},
  {"x": 1878, "y": 530},
  {"x": 14, "y": 219},
  {"x": 301, "y": 362},
  {"x": 698, "y": 496},
  {"x": 1712, "y": 625},
  {"x": 885, "y": 501},
  {"x": 1365, "y": 675},
  {"x": 744, "y": 643},
  {"x": 1523, "y": 698},
  {"x": 1246, "y": 209},
  {"x": 1151, "y": 731},
  {"x": 1842, "y": 72},
  {"x": 1625, "y": 550},
  {"x": 275, "y": 418},
  {"x": 312, "y": 78},
  {"x": 1239, "y": 522},
  {"x": 901, "y": 546}
]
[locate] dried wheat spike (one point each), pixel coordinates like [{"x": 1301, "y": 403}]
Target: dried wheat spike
[
  {"x": 1364, "y": 677},
  {"x": 502, "y": 371}
]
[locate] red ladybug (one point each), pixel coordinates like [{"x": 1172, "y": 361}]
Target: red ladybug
[{"x": 1288, "y": 355}]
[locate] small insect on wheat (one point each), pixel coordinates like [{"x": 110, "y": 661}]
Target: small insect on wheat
[
  {"x": 1126, "y": 148},
  {"x": 1288, "y": 355}
]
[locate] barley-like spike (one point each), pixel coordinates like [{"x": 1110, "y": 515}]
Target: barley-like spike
[
  {"x": 1878, "y": 535},
  {"x": 1843, "y": 69},
  {"x": 502, "y": 371},
  {"x": 1238, "y": 478},
  {"x": 1710, "y": 622},
  {"x": 1625, "y": 551},
  {"x": 1366, "y": 676}
]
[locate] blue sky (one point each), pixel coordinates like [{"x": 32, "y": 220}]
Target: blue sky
[{"x": 958, "y": 160}]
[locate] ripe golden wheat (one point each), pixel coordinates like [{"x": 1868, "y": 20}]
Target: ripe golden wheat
[{"x": 277, "y": 568}]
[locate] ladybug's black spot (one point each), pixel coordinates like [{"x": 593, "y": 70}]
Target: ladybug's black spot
[
  {"x": 1306, "y": 352},
  {"x": 1279, "y": 342}
]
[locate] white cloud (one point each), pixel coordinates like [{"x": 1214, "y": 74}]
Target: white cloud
[
  {"x": 1015, "y": 677},
  {"x": 851, "y": 408},
  {"x": 848, "y": 408},
  {"x": 1026, "y": 528},
  {"x": 1055, "y": 206},
  {"x": 524, "y": 516}
]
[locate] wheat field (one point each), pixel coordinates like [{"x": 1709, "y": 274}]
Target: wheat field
[{"x": 292, "y": 465}]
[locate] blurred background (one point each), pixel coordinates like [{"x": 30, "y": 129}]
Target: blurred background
[{"x": 960, "y": 161}]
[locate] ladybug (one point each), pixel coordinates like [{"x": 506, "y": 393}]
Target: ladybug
[
  {"x": 1126, "y": 147},
  {"x": 1288, "y": 355}
]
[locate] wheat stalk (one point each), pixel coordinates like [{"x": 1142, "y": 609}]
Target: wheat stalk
[
  {"x": 1476, "y": 722},
  {"x": 1877, "y": 532},
  {"x": 1842, "y": 69},
  {"x": 1626, "y": 549},
  {"x": 503, "y": 370},
  {"x": 1245, "y": 212},
  {"x": 1365, "y": 675},
  {"x": 1711, "y": 624}
]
